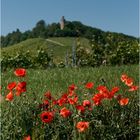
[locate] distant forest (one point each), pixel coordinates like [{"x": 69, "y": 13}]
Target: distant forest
[{"x": 71, "y": 29}]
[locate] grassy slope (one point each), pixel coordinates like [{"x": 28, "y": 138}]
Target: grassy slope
[
  {"x": 57, "y": 80},
  {"x": 33, "y": 44}
]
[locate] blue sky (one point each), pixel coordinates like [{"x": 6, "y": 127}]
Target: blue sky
[{"x": 109, "y": 15}]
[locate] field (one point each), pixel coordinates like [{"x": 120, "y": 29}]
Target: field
[
  {"x": 17, "y": 114},
  {"x": 57, "y": 80}
]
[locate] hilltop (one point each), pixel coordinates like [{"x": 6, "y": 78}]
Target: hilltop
[{"x": 71, "y": 29}]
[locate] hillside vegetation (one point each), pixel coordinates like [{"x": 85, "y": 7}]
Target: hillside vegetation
[{"x": 58, "y": 45}]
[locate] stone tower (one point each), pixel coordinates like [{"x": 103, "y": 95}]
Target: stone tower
[{"x": 62, "y": 23}]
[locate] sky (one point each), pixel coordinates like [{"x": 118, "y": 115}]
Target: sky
[{"x": 109, "y": 15}]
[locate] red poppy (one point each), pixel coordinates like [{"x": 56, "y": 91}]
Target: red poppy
[
  {"x": 48, "y": 95},
  {"x": 123, "y": 101},
  {"x": 97, "y": 98},
  {"x": 112, "y": 92},
  {"x": 124, "y": 77},
  {"x": 11, "y": 86},
  {"x": 9, "y": 96},
  {"x": 47, "y": 117},
  {"x": 27, "y": 137},
  {"x": 86, "y": 103},
  {"x": 72, "y": 87},
  {"x": 82, "y": 126},
  {"x": 20, "y": 72},
  {"x": 64, "y": 112},
  {"x": 89, "y": 85},
  {"x": 73, "y": 100},
  {"x": 133, "y": 88},
  {"x": 129, "y": 82},
  {"x": 102, "y": 89},
  {"x": 18, "y": 93},
  {"x": 61, "y": 101},
  {"x": 80, "y": 108},
  {"x": 21, "y": 86}
]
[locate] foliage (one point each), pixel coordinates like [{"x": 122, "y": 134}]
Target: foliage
[
  {"x": 26, "y": 60},
  {"x": 117, "y": 53}
]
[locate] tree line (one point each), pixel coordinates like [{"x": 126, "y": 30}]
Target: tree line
[{"x": 71, "y": 29}]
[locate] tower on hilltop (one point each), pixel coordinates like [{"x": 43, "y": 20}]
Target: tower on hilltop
[{"x": 62, "y": 23}]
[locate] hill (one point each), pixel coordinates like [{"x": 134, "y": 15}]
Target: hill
[
  {"x": 58, "y": 45},
  {"x": 71, "y": 29}
]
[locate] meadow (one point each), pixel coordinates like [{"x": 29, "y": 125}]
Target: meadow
[{"x": 110, "y": 120}]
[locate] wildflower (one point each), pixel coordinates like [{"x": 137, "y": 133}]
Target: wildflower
[
  {"x": 21, "y": 87},
  {"x": 20, "y": 72},
  {"x": 27, "y": 137},
  {"x": 72, "y": 87},
  {"x": 102, "y": 89},
  {"x": 47, "y": 117},
  {"x": 61, "y": 101},
  {"x": 89, "y": 85},
  {"x": 133, "y": 88},
  {"x": 10, "y": 96},
  {"x": 11, "y": 86},
  {"x": 124, "y": 77},
  {"x": 80, "y": 108},
  {"x": 18, "y": 93},
  {"x": 123, "y": 101},
  {"x": 86, "y": 103},
  {"x": 82, "y": 126},
  {"x": 48, "y": 95},
  {"x": 97, "y": 98},
  {"x": 129, "y": 82},
  {"x": 73, "y": 101},
  {"x": 64, "y": 112},
  {"x": 112, "y": 92}
]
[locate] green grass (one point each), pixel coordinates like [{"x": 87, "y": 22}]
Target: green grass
[
  {"x": 34, "y": 44},
  {"x": 57, "y": 80}
]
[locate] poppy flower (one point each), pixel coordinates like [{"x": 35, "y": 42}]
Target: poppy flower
[
  {"x": 21, "y": 86},
  {"x": 72, "y": 87},
  {"x": 27, "y": 137},
  {"x": 112, "y": 92},
  {"x": 20, "y": 72},
  {"x": 133, "y": 88},
  {"x": 86, "y": 103},
  {"x": 11, "y": 86},
  {"x": 124, "y": 77},
  {"x": 48, "y": 95},
  {"x": 80, "y": 108},
  {"x": 82, "y": 126},
  {"x": 47, "y": 117},
  {"x": 64, "y": 112},
  {"x": 129, "y": 82},
  {"x": 9, "y": 96},
  {"x": 18, "y": 93},
  {"x": 62, "y": 101},
  {"x": 123, "y": 101},
  {"x": 102, "y": 89},
  {"x": 97, "y": 98},
  {"x": 73, "y": 101},
  {"x": 89, "y": 85}
]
